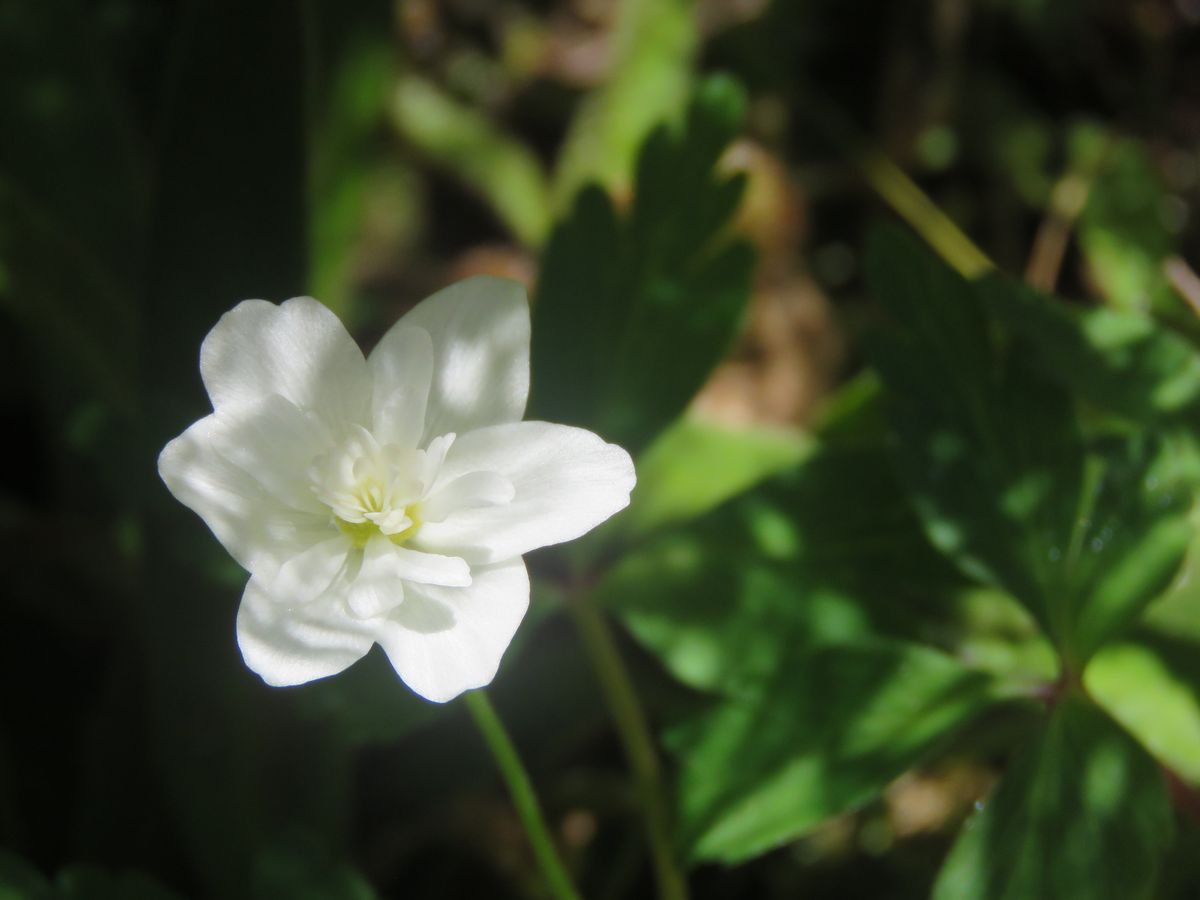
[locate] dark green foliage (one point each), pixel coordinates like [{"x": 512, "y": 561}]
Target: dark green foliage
[
  {"x": 1083, "y": 532},
  {"x": 825, "y": 734},
  {"x": 632, "y": 312},
  {"x": 825, "y": 553},
  {"x": 1113, "y": 359},
  {"x": 1082, "y": 813}
]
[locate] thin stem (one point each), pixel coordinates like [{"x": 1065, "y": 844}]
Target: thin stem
[
  {"x": 898, "y": 190},
  {"x": 521, "y": 790},
  {"x": 926, "y": 217},
  {"x": 626, "y": 710}
]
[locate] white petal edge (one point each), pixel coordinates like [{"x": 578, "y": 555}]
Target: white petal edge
[
  {"x": 288, "y": 644},
  {"x": 299, "y": 350},
  {"x": 480, "y": 333},
  {"x": 567, "y": 481},
  {"x": 257, "y": 529},
  {"x": 402, "y": 370},
  {"x": 477, "y": 623}
]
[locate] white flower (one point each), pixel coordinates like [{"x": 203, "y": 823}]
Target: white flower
[{"x": 388, "y": 499}]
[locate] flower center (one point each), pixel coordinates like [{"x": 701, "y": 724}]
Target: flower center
[{"x": 372, "y": 488}]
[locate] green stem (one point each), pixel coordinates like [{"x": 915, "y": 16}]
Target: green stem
[
  {"x": 626, "y": 710},
  {"x": 521, "y": 790},
  {"x": 899, "y": 191}
]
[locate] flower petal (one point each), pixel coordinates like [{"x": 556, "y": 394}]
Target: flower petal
[
  {"x": 567, "y": 481},
  {"x": 480, "y": 332},
  {"x": 402, "y": 370},
  {"x": 275, "y": 444},
  {"x": 375, "y": 588},
  {"x": 443, "y": 641},
  {"x": 294, "y": 643},
  {"x": 475, "y": 489},
  {"x": 299, "y": 350},
  {"x": 308, "y": 574},
  {"x": 259, "y": 530},
  {"x": 430, "y": 568}
]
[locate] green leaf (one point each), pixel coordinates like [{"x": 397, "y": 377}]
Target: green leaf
[
  {"x": 362, "y": 200},
  {"x": 827, "y": 552},
  {"x": 991, "y": 454},
  {"x": 1081, "y": 814},
  {"x": 19, "y": 880},
  {"x": 502, "y": 170},
  {"x": 654, "y": 45},
  {"x": 1131, "y": 536},
  {"x": 695, "y": 466},
  {"x": 825, "y": 736},
  {"x": 998, "y": 469},
  {"x": 1138, "y": 685},
  {"x": 1117, "y": 360},
  {"x": 633, "y": 313},
  {"x": 1122, "y": 230}
]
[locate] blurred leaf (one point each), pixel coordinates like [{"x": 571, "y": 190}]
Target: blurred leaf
[
  {"x": 1122, "y": 230},
  {"x": 367, "y": 703},
  {"x": 825, "y": 553},
  {"x": 460, "y": 139},
  {"x": 696, "y": 465},
  {"x": 991, "y": 454},
  {"x": 1130, "y": 538},
  {"x": 1081, "y": 813},
  {"x": 650, "y": 71},
  {"x": 85, "y": 882},
  {"x": 1114, "y": 359},
  {"x": 632, "y": 315},
  {"x": 299, "y": 868},
  {"x": 21, "y": 881},
  {"x": 1142, "y": 691},
  {"x": 998, "y": 469},
  {"x": 349, "y": 149},
  {"x": 72, "y": 200},
  {"x": 831, "y": 729}
]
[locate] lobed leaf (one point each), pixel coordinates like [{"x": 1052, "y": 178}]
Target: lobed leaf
[
  {"x": 616, "y": 292},
  {"x": 1084, "y": 536},
  {"x": 827, "y": 552},
  {"x": 833, "y": 727},
  {"x": 1081, "y": 813},
  {"x": 1117, "y": 360}
]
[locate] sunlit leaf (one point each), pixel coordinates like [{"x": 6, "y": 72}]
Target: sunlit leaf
[
  {"x": 990, "y": 449},
  {"x": 1140, "y": 688},
  {"x": 831, "y": 729},
  {"x": 696, "y": 465},
  {"x": 1123, "y": 230},
  {"x": 460, "y": 139},
  {"x": 1081, "y": 814},
  {"x": 654, "y": 45},
  {"x": 827, "y": 552},
  {"x": 1116, "y": 360}
]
